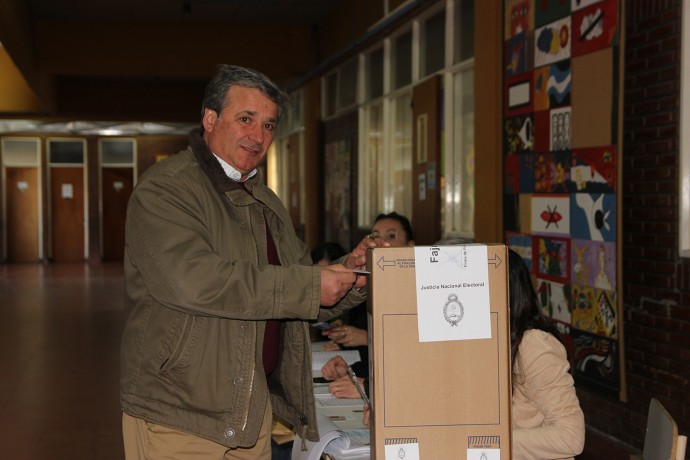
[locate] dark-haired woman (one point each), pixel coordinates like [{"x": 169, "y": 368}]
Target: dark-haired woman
[
  {"x": 395, "y": 230},
  {"x": 547, "y": 419}
]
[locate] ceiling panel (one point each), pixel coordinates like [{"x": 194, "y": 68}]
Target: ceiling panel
[{"x": 133, "y": 60}]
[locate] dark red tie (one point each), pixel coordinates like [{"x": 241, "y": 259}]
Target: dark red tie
[{"x": 272, "y": 335}]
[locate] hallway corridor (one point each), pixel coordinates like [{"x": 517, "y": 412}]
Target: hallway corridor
[{"x": 59, "y": 355}]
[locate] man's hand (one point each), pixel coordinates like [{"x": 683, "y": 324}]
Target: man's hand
[
  {"x": 336, "y": 281},
  {"x": 357, "y": 259}
]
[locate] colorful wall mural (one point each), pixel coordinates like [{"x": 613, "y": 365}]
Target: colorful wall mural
[{"x": 560, "y": 137}]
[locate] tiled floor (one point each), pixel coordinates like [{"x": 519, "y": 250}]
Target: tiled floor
[
  {"x": 59, "y": 361},
  {"x": 600, "y": 447}
]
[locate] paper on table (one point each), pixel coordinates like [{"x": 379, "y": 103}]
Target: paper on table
[
  {"x": 323, "y": 400},
  {"x": 319, "y": 358},
  {"x": 333, "y": 440},
  {"x": 358, "y": 443},
  {"x": 321, "y": 389}
]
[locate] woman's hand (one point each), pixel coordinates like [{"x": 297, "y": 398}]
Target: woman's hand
[
  {"x": 344, "y": 387},
  {"x": 335, "y": 368},
  {"x": 330, "y": 346},
  {"x": 348, "y": 336}
]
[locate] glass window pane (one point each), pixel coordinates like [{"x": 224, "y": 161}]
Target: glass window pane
[
  {"x": 372, "y": 174},
  {"x": 464, "y": 31},
  {"x": 433, "y": 44},
  {"x": 400, "y": 194},
  {"x": 402, "y": 61},
  {"x": 374, "y": 66},
  {"x": 463, "y": 151},
  {"x": 66, "y": 151},
  {"x": 347, "y": 84},
  {"x": 20, "y": 152},
  {"x": 117, "y": 151}
]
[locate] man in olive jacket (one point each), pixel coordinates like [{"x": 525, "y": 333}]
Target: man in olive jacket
[{"x": 220, "y": 289}]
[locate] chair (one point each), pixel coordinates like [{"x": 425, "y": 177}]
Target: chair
[{"x": 661, "y": 441}]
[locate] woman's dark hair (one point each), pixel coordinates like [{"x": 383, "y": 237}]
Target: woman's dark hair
[
  {"x": 215, "y": 95},
  {"x": 525, "y": 311},
  {"x": 404, "y": 223},
  {"x": 329, "y": 250}
]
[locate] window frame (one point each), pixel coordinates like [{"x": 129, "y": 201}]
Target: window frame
[
  {"x": 684, "y": 153},
  {"x": 451, "y": 165}
]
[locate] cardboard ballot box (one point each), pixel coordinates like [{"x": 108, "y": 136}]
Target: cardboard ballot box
[{"x": 439, "y": 352}]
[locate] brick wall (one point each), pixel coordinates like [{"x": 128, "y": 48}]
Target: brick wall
[{"x": 656, "y": 281}]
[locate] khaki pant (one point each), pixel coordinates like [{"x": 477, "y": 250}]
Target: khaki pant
[{"x": 148, "y": 441}]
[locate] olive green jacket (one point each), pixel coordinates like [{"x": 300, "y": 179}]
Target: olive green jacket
[{"x": 200, "y": 289}]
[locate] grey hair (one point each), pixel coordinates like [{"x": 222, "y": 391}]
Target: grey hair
[{"x": 215, "y": 95}]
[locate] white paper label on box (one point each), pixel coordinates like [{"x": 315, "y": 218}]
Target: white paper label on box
[
  {"x": 452, "y": 292},
  {"x": 483, "y": 454},
  {"x": 402, "y": 451}
]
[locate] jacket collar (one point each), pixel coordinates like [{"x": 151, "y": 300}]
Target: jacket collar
[{"x": 210, "y": 166}]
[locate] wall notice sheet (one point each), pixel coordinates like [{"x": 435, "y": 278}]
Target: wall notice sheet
[{"x": 452, "y": 292}]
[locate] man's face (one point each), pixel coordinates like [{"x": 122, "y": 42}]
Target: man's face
[{"x": 242, "y": 133}]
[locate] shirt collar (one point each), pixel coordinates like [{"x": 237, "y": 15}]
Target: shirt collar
[{"x": 231, "y": 172}]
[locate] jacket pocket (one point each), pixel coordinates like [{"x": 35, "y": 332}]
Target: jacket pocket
[{"x": 180, "y": 346}]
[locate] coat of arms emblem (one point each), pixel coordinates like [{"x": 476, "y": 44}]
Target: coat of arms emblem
[{"x": 453, "y": 310}]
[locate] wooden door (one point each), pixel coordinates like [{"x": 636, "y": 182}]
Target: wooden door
[
  {"x": 67, "y": 214},
  {"x": 426, "y": 167},
  {"x": 21, "y": 188},
  {"x": 116, "y": 188}
]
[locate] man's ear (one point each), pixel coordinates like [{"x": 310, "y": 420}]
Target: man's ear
[{"x": 209, "y": 120}]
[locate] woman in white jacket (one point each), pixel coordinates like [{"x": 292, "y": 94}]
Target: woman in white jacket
[{"x": 548, "y": 422}]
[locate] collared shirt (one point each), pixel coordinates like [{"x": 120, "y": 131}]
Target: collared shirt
[{"x": 231, "y": 172}]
